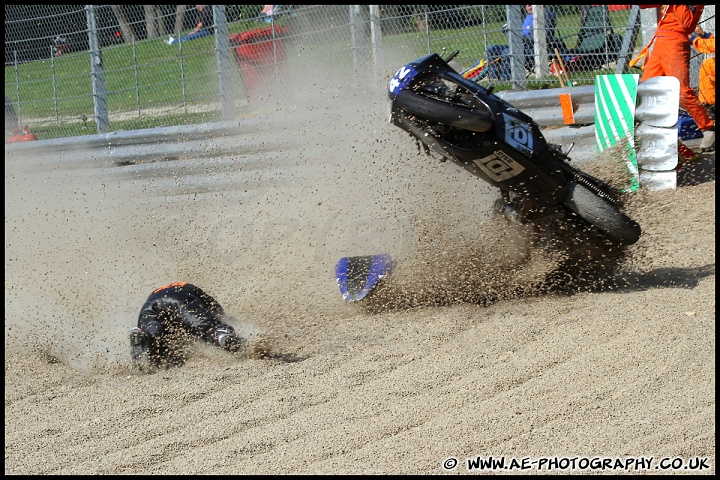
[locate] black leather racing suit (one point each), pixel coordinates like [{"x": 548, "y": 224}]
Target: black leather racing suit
[{"x": 185, "y": 307}]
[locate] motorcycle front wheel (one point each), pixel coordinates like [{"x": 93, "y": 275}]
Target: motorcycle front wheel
[
  {"x": 454, "y": 115},
  {"x": 602, "y": 214}
]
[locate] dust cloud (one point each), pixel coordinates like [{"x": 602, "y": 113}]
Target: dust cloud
[
  {"x": 462, "y": 353},
  {"x": 316, "y": 173}
]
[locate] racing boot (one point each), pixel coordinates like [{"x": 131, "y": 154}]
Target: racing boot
[
  {"x": 228, "y": 340},
  {"x": 139, "y": 343},
  {"x": 708, "y": 141}
]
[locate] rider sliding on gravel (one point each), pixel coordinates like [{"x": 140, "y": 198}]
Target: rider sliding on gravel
[{"x": 179, "y": 308}]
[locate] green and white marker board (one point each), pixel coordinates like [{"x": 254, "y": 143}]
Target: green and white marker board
[{"x": 615, "y": 98}]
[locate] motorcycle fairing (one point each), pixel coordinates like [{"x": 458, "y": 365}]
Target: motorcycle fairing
[
  {"x": 497, "y": 163},
  {"x": 402, "y": 78},
  {"x": 358, "y": 276},
  {"x": 510, "y": 164},
  {"x": 499, "y": 166}
]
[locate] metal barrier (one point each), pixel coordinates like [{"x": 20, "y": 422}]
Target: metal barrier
[
  {"x": 541, "y": 105},
  {"x": 179, "y": 141},
  {"x": 544, "y": 105}
]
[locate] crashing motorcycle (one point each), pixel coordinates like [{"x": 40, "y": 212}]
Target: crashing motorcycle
[{"x": 454, "y": 118}]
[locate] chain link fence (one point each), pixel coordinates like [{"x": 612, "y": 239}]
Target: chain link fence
[{"x": 81, "y": 69}]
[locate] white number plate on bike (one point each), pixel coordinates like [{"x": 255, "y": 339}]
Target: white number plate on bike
[
  {"x": 518, "y": 135},
  {"x": 401, "y": 79}
]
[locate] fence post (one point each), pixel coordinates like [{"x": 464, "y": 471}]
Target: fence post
[
  {"x": 376, "y": 38},
  {"x": 222, "y": 47},
  {"x": 541, "y": 48},
  {"x": 648, "y": 24},
  {"x": 517, "y": 49},
  {"x": 17, "y": 84},
  {"x": 357, "y": 38},
  {"x": 54, "y": 85},
  {"x": 631, "y": 32},
  {"x": 97, "y": 74}
]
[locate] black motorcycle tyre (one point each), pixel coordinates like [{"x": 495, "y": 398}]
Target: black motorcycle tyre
[
  {"x": 443, "y": 112},
  {"x": 602, "y": 214}
]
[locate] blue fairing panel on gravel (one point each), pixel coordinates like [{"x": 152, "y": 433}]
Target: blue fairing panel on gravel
[{"x": 357, "y": 276}]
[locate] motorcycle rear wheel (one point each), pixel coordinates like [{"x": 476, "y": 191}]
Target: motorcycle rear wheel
[
  {"x": 444, "y": 112},
  {"x": 602, "y": 214}
]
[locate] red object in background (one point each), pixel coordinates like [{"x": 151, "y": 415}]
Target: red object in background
[
  {"x": 615, "y": 8},
  {"x": 685, "y": 155},
  {"x": 257, "y": 53},
  {"x": 60, "y": 45},
  {"x": 21, "y": 136}
]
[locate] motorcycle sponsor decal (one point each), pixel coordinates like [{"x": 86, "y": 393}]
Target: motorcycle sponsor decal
[
  {"x": 499, "y": 166},
  {"x": 518, "y": 135},
  {"x": 401, "y": 79}
]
